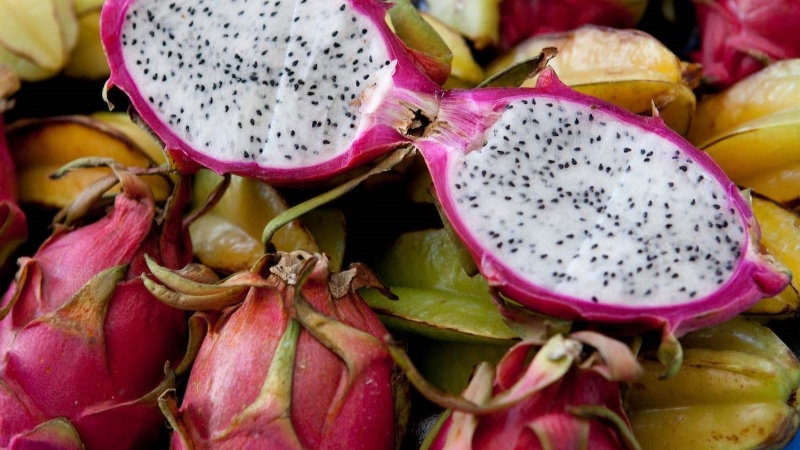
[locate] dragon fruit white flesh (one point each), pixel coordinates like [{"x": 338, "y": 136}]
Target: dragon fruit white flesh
[
  {"x": 569, "y": 205},
  {"x": 286, "y": 91}
]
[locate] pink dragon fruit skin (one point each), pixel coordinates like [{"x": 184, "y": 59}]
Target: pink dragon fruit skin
[
  {"x": 386, "y": 115},
  {"x": 751, "y": 274},
  {"x": 521, "y": 19},
  {"x": 739, "y": 37},
  {"x": 84, "y": 342},
  {"x": 509, "y": 430},
  {"x": 8, "y": 187},
  {"x": 13, "y": 225},
  {"x": 545, "y": 415},
  {"x": 333, "y": 401}
]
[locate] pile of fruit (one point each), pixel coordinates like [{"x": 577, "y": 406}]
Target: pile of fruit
[{"x": 356, "y": 224}]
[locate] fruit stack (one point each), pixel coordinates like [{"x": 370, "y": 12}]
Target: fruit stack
[{"x": 360, "y": 224}]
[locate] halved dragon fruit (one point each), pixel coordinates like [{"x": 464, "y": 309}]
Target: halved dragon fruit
[
  {"x": 569, "y": 205},
  {"x": 579, "y": 209},
  {"x": 285, "y": 91}
]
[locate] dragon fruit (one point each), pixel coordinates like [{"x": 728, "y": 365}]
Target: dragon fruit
[
  {"x": 13, "y": 226},
  {"x": 580, "y": 210},
  {"x": 561, "y": 399},
  {"x": 298, "y": 363},
  {"x": 740, "y": 37},
  {"x": 83, "y": 345},
  {"x": 294, "y": 105},
  {"x": 568, "y": 205}
]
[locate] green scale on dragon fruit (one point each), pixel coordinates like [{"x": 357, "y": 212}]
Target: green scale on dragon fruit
[{"x": 568, "y": 205}]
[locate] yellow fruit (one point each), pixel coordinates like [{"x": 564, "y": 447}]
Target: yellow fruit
[
  {"x": 123, "y": 123},
  {"x": 477, "y": 20},
  {"x": 592, "y": 54},
  {"x": 40, "y": 147},
  {"x": 773, "y": 89},
  {"x": 36, "y": 37},
  {"x": 762, "y": 154},
  {"x": 780, "y": 235},
  {"x": 782, "y": 306},
  {"x": 708, "y": 377},
  {"x": 464, "y": 70},
  {"x": 84, "y": 6},
  {"x": 220, "y": 244},
  {"x": 628, "y": 68},
  {"x": 228, "y": 237},
  {"x": 715, "y": 427},
  {"x": 735, "y": 390},
  {"x": 87, "y": 59}
]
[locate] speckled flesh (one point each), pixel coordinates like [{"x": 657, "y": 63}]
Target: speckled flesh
[
  {"x": 281, "y": 90},
  {"x": 580, "y": 209}
]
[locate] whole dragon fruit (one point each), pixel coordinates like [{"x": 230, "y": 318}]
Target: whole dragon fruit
[
  {"x": 83, "y": 344},
  {"x": 740, "y": 37},
  {"x": 568, "y": 396},
  {"x": 298, "y": 363},
  {"x": 13, "y": 225},
  {"x": 569, "y": 205}
]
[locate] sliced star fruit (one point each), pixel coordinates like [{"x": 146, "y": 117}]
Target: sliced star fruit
[
  {"x": 437, "y": 299},
  {"x": 763, "y": 154},
  {"x": 774, "y": 89},
  {"x": 87, "y": 59},
  {"x": 736, "y": 389},
  {"x": 780, "y": 236},
  {"x": 228, "y": 237}
]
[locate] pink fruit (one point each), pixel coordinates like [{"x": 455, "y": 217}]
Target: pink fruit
[
  {"x": 521, "y": 19},
  {"x": 83, "y": 345},
  {"x": 8, "y": 177},
  {"x": 13, "y": 226},
  {"x": 568, "y": 205},
  {"x": 262, "y": 91},
  {"x": 740, "y": 37},
  {"x": 560, "y": 400},
  {"x": 298, "y": 363}
]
